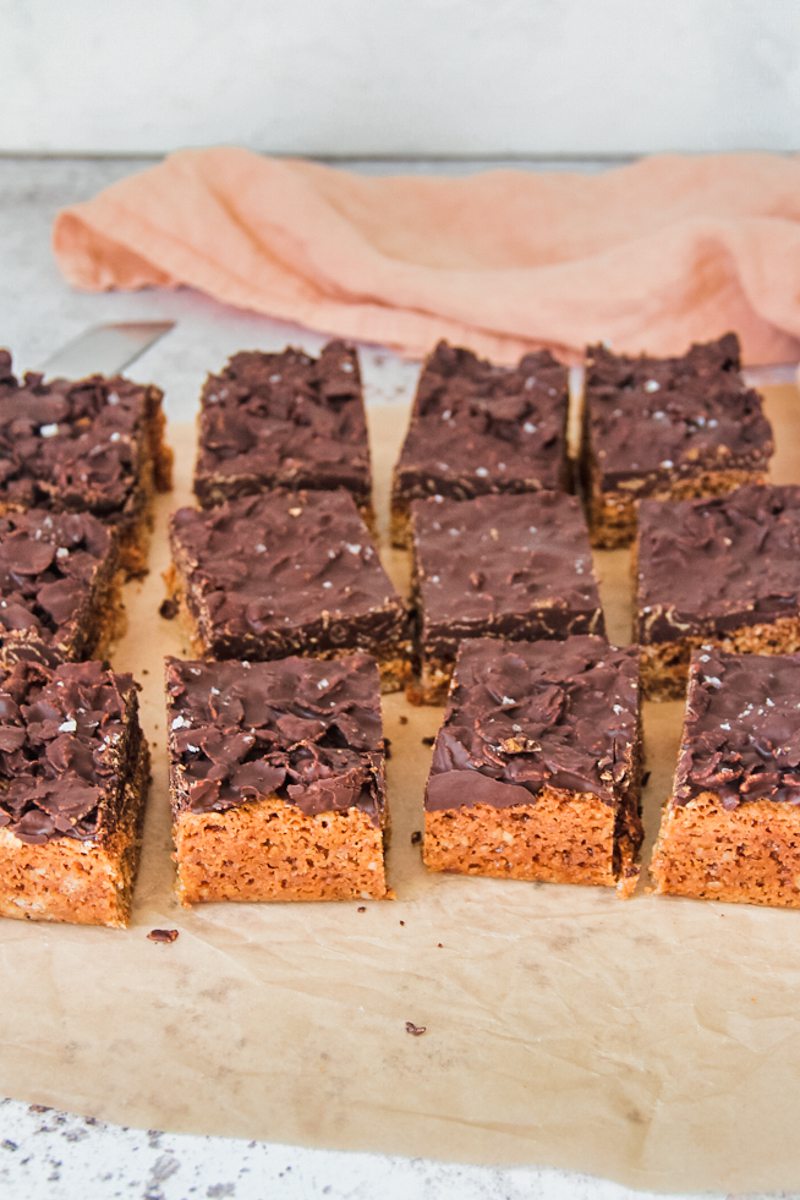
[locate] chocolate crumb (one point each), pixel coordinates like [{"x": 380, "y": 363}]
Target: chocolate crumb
[
  {"x": 168, "y": 609},
  {"x": 402, "y": 922},
  {"x": 428, "y": 741},
  {"x": 415, "y": 1030},
  {"x": 162, "y": 935},
  {"x": 387, "y": 748},
  {"x": 646, "y": 778},
  {"x": 145, "y": 671},
  {"x": 361, "y": 908},
  {"x": 439, "y": 946},
  {"x": 416, "y": 837},
  {"x": 403, "y": 719}
]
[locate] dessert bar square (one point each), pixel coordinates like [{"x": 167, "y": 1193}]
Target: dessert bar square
[
  {"x": 74, "y": 771},
  {"x": 536, "y": 769},
  {"x": 284, "y": 420},
  {"x": 731, "y": 828},
  {"x": 516, "y": 567},
  {"x": 725, "y": 571},
  {"x": 91, "y": 445},
  {"x": 59, "y": 587},
  {"x": 266, "y": 576},
  {"x": 478, "y": 428},
  {"x": 277, "y": 779},
  {"x": 667, "y": 428}
]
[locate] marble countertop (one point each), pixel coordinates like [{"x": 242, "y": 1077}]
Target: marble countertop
[{"x": 44, "y": 1153}]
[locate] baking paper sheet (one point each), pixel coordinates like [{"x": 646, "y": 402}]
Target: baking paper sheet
[{"x": 656, "y": 1041}]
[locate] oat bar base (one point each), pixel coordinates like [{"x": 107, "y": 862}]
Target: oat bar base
[
  {"x": 564, "y": 837},
  {"x": 749, "y": 854},
  {"x": 270, "y": 850}
]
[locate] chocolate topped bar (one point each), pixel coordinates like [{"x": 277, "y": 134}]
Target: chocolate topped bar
[
  {"x": 658, "y": 415},
  {"x": 306, "y": 731},
  {"x": 731, "y": 828},
  {"x": 64, "y": 743},
  {"x": 535, "y": 770},
  {"x": 669, "y": 428},
  {"x": 742, "y": 732},
  {"x": 533, "y": 715},
  {"x": 93, "y": 445},
  {"x": 58, "y": 594},
  {"x": 709, "y": 566},
  {"x": 266, "y": 576},
  {"x": 277, "y": 776},
  {"x": 284, "y": 420},
  {"x": 725, "y": 570},
  {"x": 478, "y": 428},
  {"x": 74, "y": 770},
  {"x": 503, "y": 566}
]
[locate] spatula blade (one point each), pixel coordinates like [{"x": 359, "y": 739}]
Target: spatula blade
[{"x": 105, "y": 349}]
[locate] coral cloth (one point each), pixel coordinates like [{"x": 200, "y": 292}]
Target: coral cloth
[{"x": 648, "y": 256}]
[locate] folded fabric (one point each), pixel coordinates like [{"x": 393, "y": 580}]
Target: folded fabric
[{"x": 648, "y": 256}]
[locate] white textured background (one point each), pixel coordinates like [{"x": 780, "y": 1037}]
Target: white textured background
[{"x": 400, "y": 77}]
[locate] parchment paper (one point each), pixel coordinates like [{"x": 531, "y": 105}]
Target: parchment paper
[{"x": 656, "y": 1041}]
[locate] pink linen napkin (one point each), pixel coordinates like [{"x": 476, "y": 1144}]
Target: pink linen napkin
[{"x": 649, "y": 256}]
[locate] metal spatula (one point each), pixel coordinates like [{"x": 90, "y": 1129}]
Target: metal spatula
[{"x": 105, "y": 349}]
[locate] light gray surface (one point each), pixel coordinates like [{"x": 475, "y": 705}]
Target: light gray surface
[
  {"x": 464, "y": 77},
  {"x": 45, "y": 1154}
]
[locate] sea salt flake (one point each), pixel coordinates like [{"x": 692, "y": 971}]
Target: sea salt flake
[
  {"x": 48, "y": 430},
  {"x": 68, "y": 726},
  {"x": 652, "y": 385}
]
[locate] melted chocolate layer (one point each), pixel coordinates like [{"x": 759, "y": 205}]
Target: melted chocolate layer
[
  {"x": 307, "y": 731},
  {"x": 708, "y": 566},
  {"x": 656, "y": 419},
  {"x": 506, "y": 566},
  {"x": 741, "y": 736},
  {"x": 283, "y": 420},
  {"x": 49, "y": 567},
  {"x": 69, "y": 739},
  {"x": 277, "y": 574},
  {"x": 525, "y": 716},
  {"x": 478, "y": 428},
  {"x": 71, "y": 445}
]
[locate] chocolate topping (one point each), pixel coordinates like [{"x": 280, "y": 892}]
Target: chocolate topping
[
  {"x": 272, "y": 574},
  {"x": 525, "y": 716},
  {"x": 741, "y": 737},
  {"x": 510, "y": 566},
  {"x": 662, "y": 418},
  {"x": 67, "y": 738},
  {"x": 478, "y": 428},
  {"x": 708, "y": 566},
  {"x": 309, "y": 732},
  {"x": 283, "y": 420},
  {"x": 70, "y": 445},
  {"x": 48, "y": 565}
]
